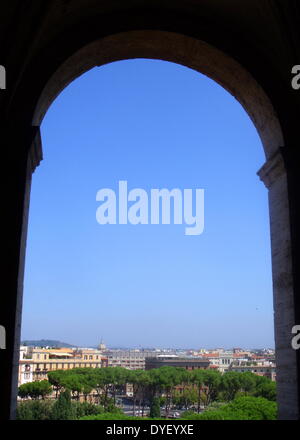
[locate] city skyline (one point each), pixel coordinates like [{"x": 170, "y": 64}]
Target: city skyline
[{"x": 141, "y": 347}]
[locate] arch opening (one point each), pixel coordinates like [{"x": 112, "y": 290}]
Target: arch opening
[
  {"x": 181, "y": 151},
  {"x": 177, "y": 48},
  {"x": 234, "y": 78}
]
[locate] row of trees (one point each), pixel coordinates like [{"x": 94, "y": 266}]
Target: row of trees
[
  {"x": 170, "y": 385},
  {"x": 63, "y": 408},
  {"x": 241, "y": 408}
]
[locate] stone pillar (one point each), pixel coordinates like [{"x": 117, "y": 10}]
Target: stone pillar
[
  {"x": 22, "y": 149},
  {"x": 273, "y": 174}
]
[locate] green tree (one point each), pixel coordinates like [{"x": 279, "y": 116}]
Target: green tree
[
  {"x": 44, "y": 388},
  {"x": 168, "y": 378},
  {"x": 119, "y": 377},
  {"x": 99, "y": 382},
  {"x": 74, "y": 384},
  {"x": 255, "y": 408},
  {"x": 24, "y": 390},
  {"x": 211, "y": 385},
  {"x": 134, "y": 379},
  {"x": 62, "y": 408},
  {"x": 266, "y": 389},
  {"x": 143, "y": 390},
  {"x": 24, "y": 411},
  {"x": 197, "y": 378},
  {"x": 241, "y": 408},
  {"x": 35, "y": 389},
  {"x": 34, "y": 410},
  {"x": 185, "y": 398},
  {"x": 55, "y": 378},
  {"x": 155, "y": 407},
  {"x": 248, "y": 382},
  {"x": 81, "y": 409},
  {"x": 231, "y": 383},
  {"x": 188, "y": 393},
  {"x": 104, "y": 380}
]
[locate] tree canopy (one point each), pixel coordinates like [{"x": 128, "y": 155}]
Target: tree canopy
[{"x": 168, "y": 386}]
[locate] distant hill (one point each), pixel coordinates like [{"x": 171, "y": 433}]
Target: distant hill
[{"x": 46, "y": 343}]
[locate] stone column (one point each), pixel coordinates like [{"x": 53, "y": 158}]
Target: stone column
[
  {"x": 22, "y": 149},
  {"x": 273, "y": 174}
]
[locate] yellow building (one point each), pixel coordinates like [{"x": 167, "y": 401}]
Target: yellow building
[{"x": 35, "y": 363}]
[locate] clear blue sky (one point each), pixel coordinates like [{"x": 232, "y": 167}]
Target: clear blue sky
[{"x": 157, "y": 125}]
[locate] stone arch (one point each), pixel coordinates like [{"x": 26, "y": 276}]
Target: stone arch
[
  {"x": 177, "y": 48},
  {"x": 226, "y": 71},
  {"x": 230, "y": 74}
]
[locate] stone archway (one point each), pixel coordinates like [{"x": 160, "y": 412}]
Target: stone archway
[
  {"x": 203, "y": 57},
  {"x": 178, "y": 48}
]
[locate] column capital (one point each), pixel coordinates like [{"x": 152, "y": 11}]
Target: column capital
[
  {"x": 22, "y": 143},
  {"x": 35, "y": 152},
  {"x": 272, "y": 169}
]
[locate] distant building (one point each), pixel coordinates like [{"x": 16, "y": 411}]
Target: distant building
[
  {"x": 237, "y": 350},
  {"x": 130, "y": 359},
  {"x": 101, "y": 346},
  {"x": 261, "y": 370},
  {"x": 174, "y": 361},
  {"x": 35, "y": 363},
  {"x": 222, "y": 360},
  {"x": 25, "y": 367}
]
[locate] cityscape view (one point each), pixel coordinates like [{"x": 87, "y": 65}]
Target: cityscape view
[
  {"x": 126, "y": 387},
  {"x": 151, "y": 206},
  {"x": 141, "y": 262}
]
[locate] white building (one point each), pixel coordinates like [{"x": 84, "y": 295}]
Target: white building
[{"x": 25, "y": 366}]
